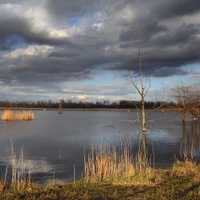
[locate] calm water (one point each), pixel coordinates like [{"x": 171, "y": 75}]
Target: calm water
[{"x": 55, "y": 143}]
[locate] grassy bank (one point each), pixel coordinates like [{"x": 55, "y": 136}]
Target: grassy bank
[
  {"x": 109, "y": 174},
  {"x": 180, "y": 182}
]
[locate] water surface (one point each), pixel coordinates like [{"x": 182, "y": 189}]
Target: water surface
[{"x": 54, "y": 144}]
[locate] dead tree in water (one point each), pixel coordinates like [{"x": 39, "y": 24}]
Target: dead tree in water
[
  {"x": 142, "y": 90},
  {"x": 60, "y": 106}
]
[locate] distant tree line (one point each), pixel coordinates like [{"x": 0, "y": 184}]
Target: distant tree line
[{"x": 123, "y": 104}]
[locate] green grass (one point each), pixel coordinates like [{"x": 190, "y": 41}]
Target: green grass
[
  {"x": 110, "y": 175},
  {"x": 182, "y": 181}
]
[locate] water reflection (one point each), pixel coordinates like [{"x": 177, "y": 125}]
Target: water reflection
[
  {"x": 53, "y": 144},
  {"x": 142, "y": 160},
  {"x": 190, "y": 141}
]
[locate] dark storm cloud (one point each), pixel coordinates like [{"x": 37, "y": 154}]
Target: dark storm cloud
[
  {"x": 67, "y": 8},
  {"x": 182, "y": 36},
  {"x": 63, "y": 7},
  {"x": 98, "y": 34},
  {"x": 10, "y": 27},
  {"x": 166, "y": 64},
  {"x": 60, "y": 64},
  {"x": 14, "y": 24},
  {"x": 162, "y": 46},
  {"x": 140, "y": 30},
  {"x": 163, "y": 72},
  {"x": 144, "y": 29},
  {"x": 22, "y": 28},
  {"x": 171, "y": 9}
]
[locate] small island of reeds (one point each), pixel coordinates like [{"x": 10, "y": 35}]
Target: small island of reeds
[{"x": 10, "y": 115}]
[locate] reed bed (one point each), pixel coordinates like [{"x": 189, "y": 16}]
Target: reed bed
[
  {"x": 105, "y": 162},
  {"x": 10, "y": 115}
]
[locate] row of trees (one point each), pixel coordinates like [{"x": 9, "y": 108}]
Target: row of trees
[
  {"x": 186, "y": 98},
  {"x": 123, "y": 104}
]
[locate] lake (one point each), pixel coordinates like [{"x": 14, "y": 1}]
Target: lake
[{"x": 54, "y": 144}]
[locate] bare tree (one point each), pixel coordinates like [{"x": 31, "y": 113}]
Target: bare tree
[
  {"x": 142, "y": 90},
  {"x": 188, "y": 98}
]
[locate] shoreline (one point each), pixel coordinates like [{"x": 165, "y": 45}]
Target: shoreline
[
  {"x": 179, "y": 182},
  {"x": 94, "y": 109}
]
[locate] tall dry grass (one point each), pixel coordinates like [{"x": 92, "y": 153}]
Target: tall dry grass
[
  {"x": 20, "y": 176},
  {"x": 10, "y": 115},
  {"x": 105, "y": 162}
]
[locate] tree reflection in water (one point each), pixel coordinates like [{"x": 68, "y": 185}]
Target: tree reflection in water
[
  {"x": 190, "y": 141},
  {"x": 144, "y": 158}
]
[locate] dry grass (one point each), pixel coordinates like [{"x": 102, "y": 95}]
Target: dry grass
[
  {"x": 10, "y": 115},
  {"x": 120, "y": 165},
  {"x": 180, "y": 182},
  {"x": 187, "y": 169},
  {"x": 168, "y": 186},
  {"x": 104, "y": 162},
  {"x": 19, "y": 172}
]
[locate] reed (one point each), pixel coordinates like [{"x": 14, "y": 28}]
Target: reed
[
  {"x": 119, "y": 165},
  {"x": 106, "y": 162},
  {"x": 20, "y": 175},
  {"x": 10, "y": 115}
]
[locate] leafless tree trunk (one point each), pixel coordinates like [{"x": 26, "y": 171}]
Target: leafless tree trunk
[
  {"x": 60, "y": 106},
  {"x": 142, "y": 91}
]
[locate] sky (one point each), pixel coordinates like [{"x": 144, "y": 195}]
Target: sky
[{"x": 83, "y": 50}]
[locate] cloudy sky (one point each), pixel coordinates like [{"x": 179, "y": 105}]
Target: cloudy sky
[{"x": 82, "y": 50}]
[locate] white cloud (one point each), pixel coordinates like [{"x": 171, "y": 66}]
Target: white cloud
[
  {"x": 101, "y": 97},
  {"x": 32, "y": 50},
  {"x": 12, "y": 9},
  {"x": 84, "y": 97},
  {"x": 97, "y": 26},
  {"x": 126, "y": 15}
]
